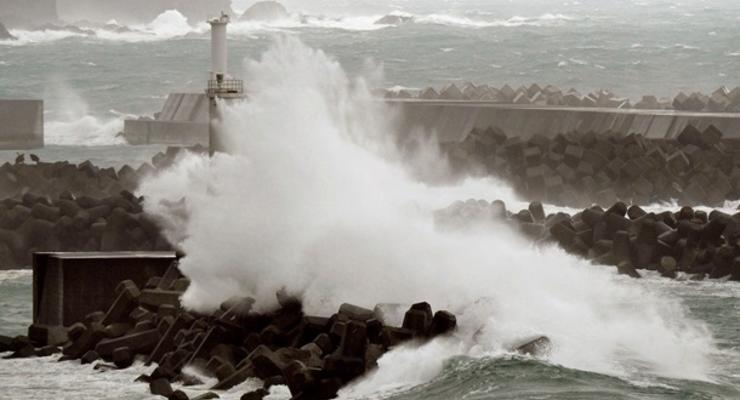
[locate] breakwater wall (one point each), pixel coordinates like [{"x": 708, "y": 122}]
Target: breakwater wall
[
  {"x": 21, "y": 124},
  {"x": 452, "y": 120},
  {"x": 183, "y": 121},
  {"x": 721, "y": 100}
]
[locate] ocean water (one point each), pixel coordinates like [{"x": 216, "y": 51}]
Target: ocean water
[
  {"x": 324, "y": 204},
  {"x": 497, "y": 377},
  {"x": 633, "y": 47}
]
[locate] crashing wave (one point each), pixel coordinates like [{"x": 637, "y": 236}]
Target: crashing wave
[{"x": 265, "y": 11}]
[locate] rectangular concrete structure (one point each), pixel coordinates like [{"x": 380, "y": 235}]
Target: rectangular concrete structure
[
  {"x": 452, "y": 120},
  {"x": 21, "y": 124},
  {"x": 183, "y": 121},
  {"x": 171, "y": 133},
  {"x": 69, "y": 286}
]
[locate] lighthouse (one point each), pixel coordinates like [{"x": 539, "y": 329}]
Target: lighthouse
[{"x": 222, "y": 88}]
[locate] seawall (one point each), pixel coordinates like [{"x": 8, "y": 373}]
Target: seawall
[
  {"x": 183, "y": 121},
  {"x": 21, "y": 124},
  {"x": 452, "y": 120}
]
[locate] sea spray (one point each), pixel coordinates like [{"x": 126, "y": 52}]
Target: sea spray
[
  {"x": 74, "y": 124},
  {"x": 314, "y": 200}
]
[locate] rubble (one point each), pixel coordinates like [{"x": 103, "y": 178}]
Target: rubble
[
  {"x": 66, "y": 207},
  {"x": 314, "y": 356},
  {"x": 698, "y": 167},
  {"x": 675, "y": 244}
]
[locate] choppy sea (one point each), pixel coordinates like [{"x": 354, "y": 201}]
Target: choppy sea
[{"x": 632, "y": 47}]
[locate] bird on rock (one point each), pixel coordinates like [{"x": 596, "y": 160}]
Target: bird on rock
[
  {"x": 35, "y": 158},
  {"x": 20, "y": 159}
]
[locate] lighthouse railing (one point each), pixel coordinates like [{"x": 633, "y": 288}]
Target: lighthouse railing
[{"x": 225, "y": 86}]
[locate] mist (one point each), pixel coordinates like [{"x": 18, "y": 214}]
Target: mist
[{"x": 314, "y": 200}]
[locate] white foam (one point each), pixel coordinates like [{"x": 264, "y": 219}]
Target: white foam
[
  {"x": 515, "y": 21},
  {"x": 74, "y": 124},
  {"x": 14, "y": 274},
  {"x": 168, "y": 25},
  {"x": 314, "y": 199},
  {"x": 171, "y": 24}
]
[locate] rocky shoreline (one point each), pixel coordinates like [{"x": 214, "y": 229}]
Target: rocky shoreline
[
  {"x": 685, "y": 243},
  {"x": 719, "y": 101},
  {"x": 581, "y": 169},
  {"x": 314, "y": 356},
  {"x": 66, "y": 207}
]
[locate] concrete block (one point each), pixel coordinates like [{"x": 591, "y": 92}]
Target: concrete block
[
  {"x": 156, "y": 297},
  {"x": 21, "y": 124},
  {"x": 356, "y": 313},
  {"x": 62, "y": 290},
  {"x": 42, "y": 335},
  {"x": 123, "y": 357},
  {"x": 138, "y": 343}
]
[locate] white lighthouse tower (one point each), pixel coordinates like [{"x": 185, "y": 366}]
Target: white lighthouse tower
[{"x": 221, "y": 87}]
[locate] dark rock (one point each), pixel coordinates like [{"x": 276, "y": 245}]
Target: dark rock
[
  {"x": 356, "y": 313},
  {"x": 418, "y": 319},
  {"x": 142, "y": 342},
  {"x": 626, "y": 268},
  {"x": 125, "y": 303},
  {"x": 178, "y": 395},
  {"x": 207, "y": 396},
  {"x": 43, "y": 335},
  {"x": 668, "y": 267},
  {"x": 161, "y": 387},
  {"x": 443, "y": 322},
  {"x": 89, "y": 357},
  {"x": 47, "y": 351},
  {"x": 354, "y": 341},
  {"x": 265, "y": 362},
  {"x": 123, "y": 357},
  {"x": 258, "y": 394}
]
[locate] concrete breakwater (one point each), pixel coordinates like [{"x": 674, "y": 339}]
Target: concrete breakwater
[
  {"x": 451, "y": 120},
  {"x": 183, "y": 119},
  {"x": 314, "y": 356},
  {"x": 66, "y": 207},
  {"x": 695, "y": 168},
  {"x": 721, "y": 100},
  {"x": 686, "y": 242},
  {"x": 21, "y": 122}
]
